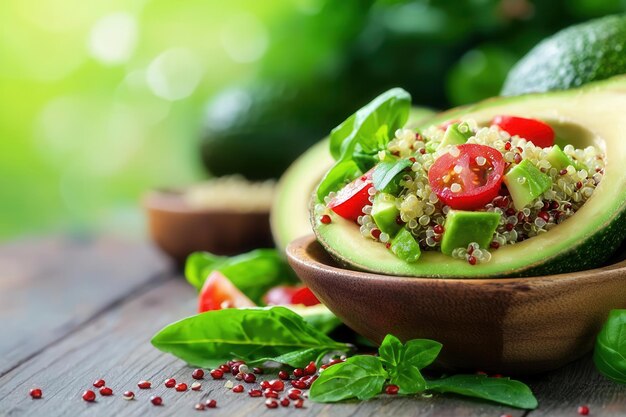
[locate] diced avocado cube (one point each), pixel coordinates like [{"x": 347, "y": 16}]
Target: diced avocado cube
[
  {"x": 385, "y": 213},
  {"x": 558, "y": 159},
  {"x": 456, "y": 134},
  {"x": 525, "y": 183},
  {"x": 405, "y": 247},
  {"x": 465, "y": 227}
]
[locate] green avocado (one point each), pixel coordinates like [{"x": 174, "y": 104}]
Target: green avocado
[
  {"x": 465, "y": 227},
  {"x": 525, "y": 183},
  {"x": 385, "y": 213},
  {"x": 289, "y": 216},
  {"x": 577, "y": 55},
  {"x": 585, "y": 240}
]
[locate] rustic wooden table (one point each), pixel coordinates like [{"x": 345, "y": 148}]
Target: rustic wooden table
[{"x": 75, "y": 310}]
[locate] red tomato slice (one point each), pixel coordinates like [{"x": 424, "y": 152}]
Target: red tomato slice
[
  {"x": 218, "y": 293},
  {"x": 350, "y": 200},
  {"x": 477, "y": 183},
  {"x": 539, "y": 133},
  {"x": 285, "y": 295}
]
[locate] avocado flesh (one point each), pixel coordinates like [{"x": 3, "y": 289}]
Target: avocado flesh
[
  {"x": 289, "y": 216},
  {"x": 385, "y": 213},
  {"x": 525, "y": 183},
  {"x": 583, "y": 241},
  {"x": 465, "y": 227}
]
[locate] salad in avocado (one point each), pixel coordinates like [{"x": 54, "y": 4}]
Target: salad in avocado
[{"x": 473, "y": 185}]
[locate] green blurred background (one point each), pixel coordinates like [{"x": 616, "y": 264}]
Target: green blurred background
[{"x": 101, "y": 100}]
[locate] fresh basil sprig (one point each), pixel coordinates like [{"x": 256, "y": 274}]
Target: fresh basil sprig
[
  {"x": 255, "y": 335},
  {"x": 501, "y": 390},
  {"x": 361, "y": 377},
  {"x": 386, "y": 171},
  {"x": 610, "y": 351},
  {"x": 253, "y": 273},
  {"x": 364, "y": 133}
]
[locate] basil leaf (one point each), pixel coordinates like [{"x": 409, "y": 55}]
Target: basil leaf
[
  {"x": 255, "y": 335},
  {"x": 500, "y": 390},
  {"x": 405, "y": 361},
  {"x": 390, "y": 350},
  {"x": 385, "y": 172},
  {"x": 336, "y": 177},
  {"x": 254, "y": 273},
  {"x": 371, "y": 126},
  {"x": 610, "y": 351},
  {"x": 359, "y": 377},
  {"x": 421, "y": 352}
]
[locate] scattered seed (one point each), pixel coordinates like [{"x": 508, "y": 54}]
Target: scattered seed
[
  {"x": 169, "y": 383},
  {"x": 99, "y": 383},
  {"x": 144, "y": 384},
  {"x": 258, "y": 371},
  {"x": 211, "y": 403},
  {"x": 228, "y": 384},
  {"x": 35, "y": 393},
  {"x": 583, "y": 410},
  {"x": 128, "y": 395},
  {"x": 255, "y": 393},
  {"x": 106, "y": 391},
  {"x": 392, "y": 389},
  {"x": 238, "y": 388},
  {"x": 249, "y": 378},
  {"x": 156, "y": 400},
  {"x": 224, "y": 368},
  {"x": 285, "y": 402},
  {"x": 277, "y": 385},
  {"x": 197, "y": 374},
  {"x": 294, "y": 394},
  {"x": 284, "y": 375},
  {"x": 180, "y": 387},
  {"x": 299, "y": 403},
  {"x": 199, "y": 407},
  {"x": 89, "y": 396},
  {"x": 298, "y": 372},
  {"x": 196, "y": 386},
  {"x": 265, "y": 384},
  {"x": 270, "y": 393},
  {"x": 271, "y": 403},
  {"x": 311, "y": 368}
]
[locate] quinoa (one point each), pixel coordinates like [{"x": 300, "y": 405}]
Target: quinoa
[{"x": 424, "y": 215}]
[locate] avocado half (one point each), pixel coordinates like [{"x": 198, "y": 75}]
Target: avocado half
[
  {"x": 289, "y": 215},
  {"x": 594, "y": 114}
]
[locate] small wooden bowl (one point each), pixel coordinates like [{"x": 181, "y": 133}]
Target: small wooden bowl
[
  {"x": 509, "y": 325},
  {"x": 179, "y": 229}
]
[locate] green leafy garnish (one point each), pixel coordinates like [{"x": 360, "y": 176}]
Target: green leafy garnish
[
  {"x": 255, "y": 335},
  {"x": 372, "y": 126},
  {"x": 360, "y": 377},
  {"x": 610, "y": 351},
  {"x": 254, "y": 273},
  {"x": 385, "y": 172},
  {"x": 401, "y": 364},
  {"x": 501, "y": 390},
  {"x": 356, "y": 141}
]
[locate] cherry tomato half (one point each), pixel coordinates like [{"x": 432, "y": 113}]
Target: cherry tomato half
[
  {"x": 285, "y": 295},
  {"x": 469, "y": 180},
  {"x": 538, "y": 132},
  {"x": 350, "y": 200},
  {"x": 218, "y": 293}
]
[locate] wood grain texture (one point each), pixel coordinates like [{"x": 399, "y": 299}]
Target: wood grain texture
[
  {"x": 49, "y": 287},
  {"x": 116, "y": 347}
]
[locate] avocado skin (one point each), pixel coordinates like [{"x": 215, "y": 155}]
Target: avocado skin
[{"x": 582, "y": 53}]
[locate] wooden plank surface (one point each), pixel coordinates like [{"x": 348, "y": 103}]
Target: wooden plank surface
[
  {"x": 49, "y": 287},
  {"x": 105, "y": 327}
]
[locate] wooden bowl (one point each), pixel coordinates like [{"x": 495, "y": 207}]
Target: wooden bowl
[
  {"x": 179, "y": 229},
  {"x": 512, "y": 325}
]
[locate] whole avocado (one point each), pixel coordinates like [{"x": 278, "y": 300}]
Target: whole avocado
[{"x": 582, "y": 53}]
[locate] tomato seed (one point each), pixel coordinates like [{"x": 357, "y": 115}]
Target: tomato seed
[
  {"x": 89, "y": 396},
  {"x": 197, "y": 374},
  {"x": 35, "y": 393},
  {"x": 99, "y": 383},
  {"x": 106, "y": 391}
]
